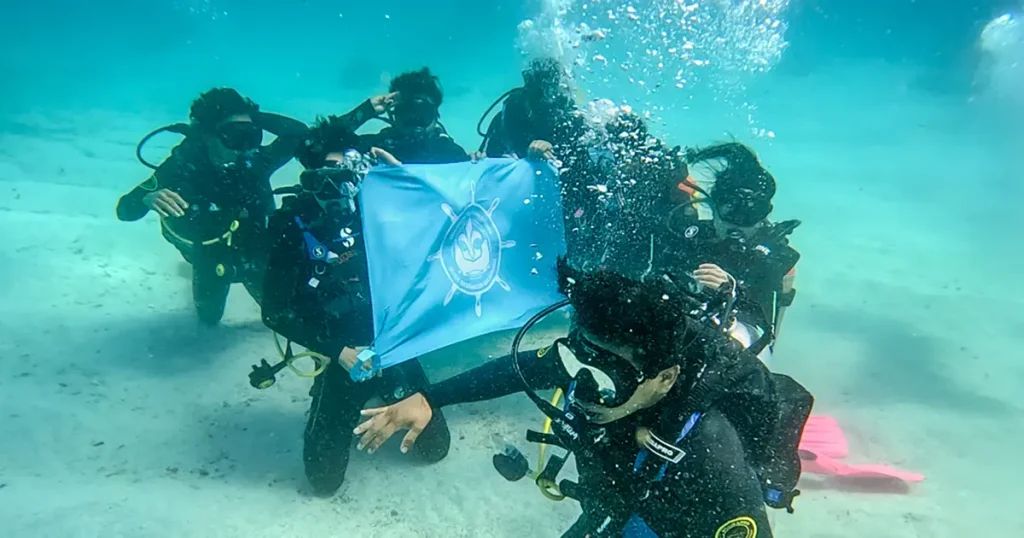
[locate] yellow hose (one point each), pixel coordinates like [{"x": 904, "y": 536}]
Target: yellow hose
[
  {"x": 226, "y": 236},
  {"x": 547, "y": 428},
  {"x": 548, "y": 487},
  {"x": 320, "y": 360}
]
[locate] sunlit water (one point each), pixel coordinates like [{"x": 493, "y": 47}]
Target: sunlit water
[{"x": 892, "y": 127}]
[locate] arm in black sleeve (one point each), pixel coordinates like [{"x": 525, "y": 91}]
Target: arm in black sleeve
[
  {"x": 171, "y": 173},
  {"x": 290, "y": 133},
  {"x": 131, "y": 206},
  {"x": 358, "y": 116},
  {"x": 498, "y": 378}
]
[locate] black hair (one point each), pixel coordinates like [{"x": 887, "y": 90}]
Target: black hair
[
  {"x": 626, "y": 127},
  {"x": 642, "y": 313},
  {"x": 653, "y": 168},
  {"x": 543, "y": 72},
  {"x": 219, "y": 104},
  {"x": 742, "y": 170},
  {"x": 420, "y": 83},
  {"x": 328, "y": 135},
  {"x": 743, "y": 189}
]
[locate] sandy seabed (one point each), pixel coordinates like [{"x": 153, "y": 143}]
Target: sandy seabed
[{"x": 121, "y": 417}]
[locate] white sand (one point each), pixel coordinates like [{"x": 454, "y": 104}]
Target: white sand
[{"x": 119, "y": 416}]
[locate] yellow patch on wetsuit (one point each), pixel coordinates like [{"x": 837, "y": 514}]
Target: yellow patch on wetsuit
[
  {"x": 150, "y": 184},
  {"x": 543, "y": 351},
  {"x": 740, "y": 527}
]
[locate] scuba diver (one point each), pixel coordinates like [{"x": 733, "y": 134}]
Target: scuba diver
[
  {"x": 317, "y": 295},
  {"x": 540, "y": 120},
  {"x": 416, "y": 135},
  {"x": 213, "y": 193},
  {"x": 720, "y": 218},
  {"x": 625, "y": 163},
  {"x": 537, "y": 119},
  {"x": 677, "y": 430}
]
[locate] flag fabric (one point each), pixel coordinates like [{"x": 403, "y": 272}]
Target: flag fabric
[{"x": 457, "y": 251}]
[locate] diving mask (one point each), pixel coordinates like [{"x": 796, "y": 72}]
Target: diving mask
[
  {"x": 240, "y": 135},
  {"x": 602, "y": 377},
  {"x": 742, "y": 207},
  {"x": 336, "y": 184},
  {"x": 416, "y": 111}
]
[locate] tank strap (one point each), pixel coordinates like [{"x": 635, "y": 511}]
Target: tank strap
[{"x": 641, "y": 456}]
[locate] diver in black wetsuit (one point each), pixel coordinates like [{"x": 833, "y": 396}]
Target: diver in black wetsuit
[
  {"x": 416, "y": 135},
  {"x": 673, "y": 424},
  {"x": 317, "y": 295},
  {"x": 537, "y": 118},
  {"x": 726, "y": 229},
  {"x": 674, "y": 427},
  {"x": 540, "y": 120},
  {"x": 213, "y": 194}
]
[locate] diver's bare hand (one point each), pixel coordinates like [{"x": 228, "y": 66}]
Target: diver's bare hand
[
  {"x": 540, "y": 150},
  {"x": 712, "y": 276},
  {"x": 477, "y": 156},
  {"x": 166, "y": 203},
  {"x": 349, "y": 358},
  {"x": 412, "y": 413},
  {"x": 385, "y": 157},
  {"x": 383, "y": 103}
]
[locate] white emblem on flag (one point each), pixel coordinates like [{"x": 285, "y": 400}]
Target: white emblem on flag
[{"x": 471, "y": 251}]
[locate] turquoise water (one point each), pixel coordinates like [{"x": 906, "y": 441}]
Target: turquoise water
[{"x": 893, "y": 127}]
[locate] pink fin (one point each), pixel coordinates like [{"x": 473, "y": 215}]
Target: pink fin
[
  {"x": 821, "y": 464},
  {"x": 822, "y": 435},
  {"x": 823, "y": 444}
]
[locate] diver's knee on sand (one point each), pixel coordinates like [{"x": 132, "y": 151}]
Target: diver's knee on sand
[
  {"x": 435, "y": 441},
  {"x": 210, "y": 296},
  {"x": 325, "y": 453},
  {"x": 333, "y": 413},
  {"x": 209, "y": 312},
  {"x": 325, "y": 480}
]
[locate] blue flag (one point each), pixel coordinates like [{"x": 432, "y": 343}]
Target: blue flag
[{"x": 457, "y": 251}]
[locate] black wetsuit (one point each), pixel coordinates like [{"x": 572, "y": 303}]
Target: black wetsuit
[
  {"x": 759, "y": 263},
  {"x": 742, "y": 445},
  {"x": 513, "y": 129},
  {"x": 431, "y": 145},
  {"x": 223, "y": 231},
  {"x": 326, "y": 307},
  {"x": 523, "y": 120}
]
